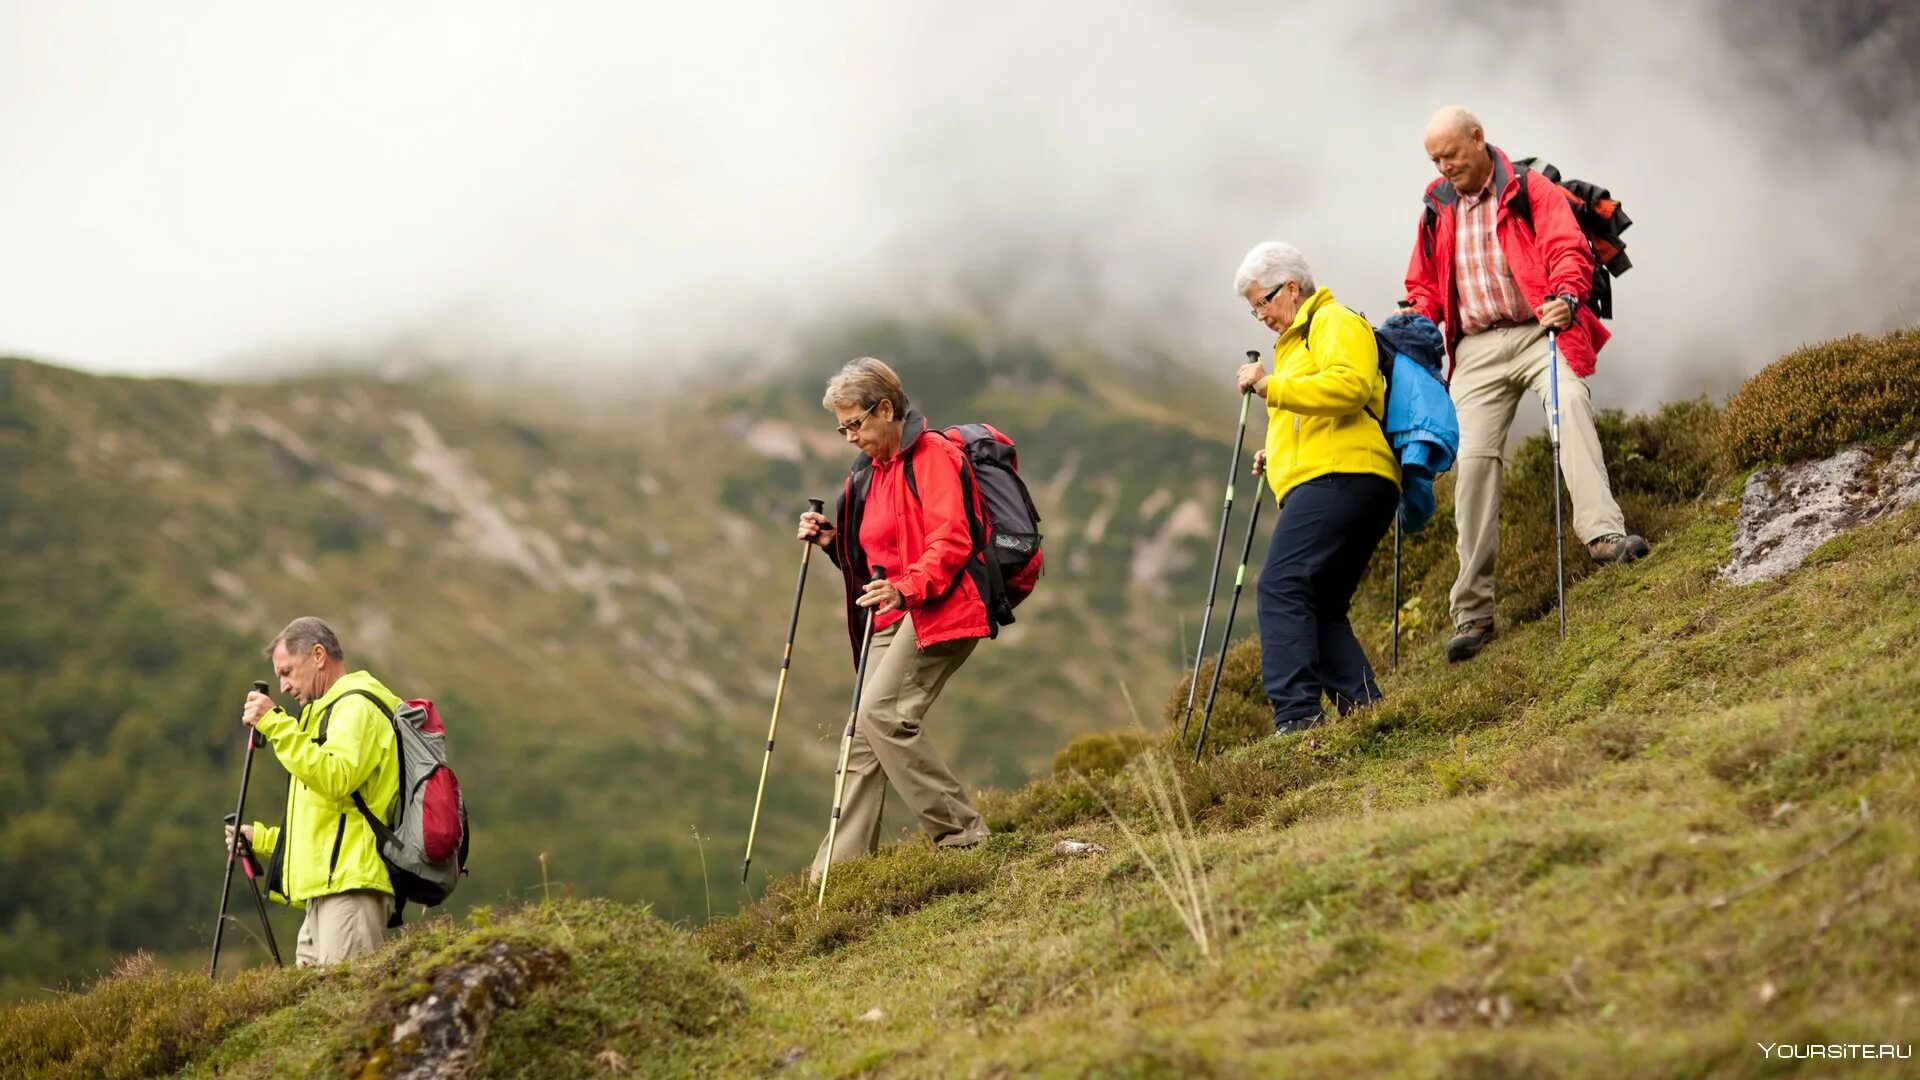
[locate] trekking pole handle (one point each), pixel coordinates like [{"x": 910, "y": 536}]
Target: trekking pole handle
[
  {"x": 243, "y": 848},
  {"x": 254, "y": 738},
  {"x": 818, "y": 506}
]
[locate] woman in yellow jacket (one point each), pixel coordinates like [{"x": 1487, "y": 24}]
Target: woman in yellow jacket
[{"x": 1335, "y": 477}]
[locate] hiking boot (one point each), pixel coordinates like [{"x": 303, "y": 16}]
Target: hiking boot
[
  {"x": 1617, "y": 548},
  {"x": 1294, "y": 727},
  {"x": 1469, "y": 640}
]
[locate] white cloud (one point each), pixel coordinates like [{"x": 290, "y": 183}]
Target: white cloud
[{"x": 599, "y": 183}]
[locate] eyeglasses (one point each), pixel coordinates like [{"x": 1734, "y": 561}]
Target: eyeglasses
[
  {"x": 853, "y": 426},
  {"x": 1268, "y": 299}
]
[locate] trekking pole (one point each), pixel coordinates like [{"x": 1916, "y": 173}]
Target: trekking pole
[
  {"x": 1396, "y": 588},
  {"x": 239, "y": 815},
  {"x": 250, "y": 865},
  {"x": 1219, "y": 551},
  {"x": 1226, "y": 633},
  {"x": 817, "y": 506},
  {"x": 1553, "y": 431},
  {"x": 846, "y": 743}
]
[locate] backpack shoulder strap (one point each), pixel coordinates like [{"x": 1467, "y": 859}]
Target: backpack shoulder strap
[
  {"x": 1523, "y": 202},
  {"x": 327, "y": 716},
  {"x": 380, "y": 830},
  {"x": 1442, "y": 194}
]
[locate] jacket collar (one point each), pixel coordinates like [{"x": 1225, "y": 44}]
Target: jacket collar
[
  {"x": 1441, "y": 192},
  {"x": 915, "y": 427},
  {"x": 352, "y": 680},
  {"x": 1321, "y": 297}
]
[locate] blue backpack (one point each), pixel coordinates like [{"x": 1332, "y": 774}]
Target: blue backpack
[{"x": 1420, "y": 424}]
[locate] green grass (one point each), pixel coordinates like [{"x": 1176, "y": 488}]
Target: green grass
[{"x": 1689, "y": 828}]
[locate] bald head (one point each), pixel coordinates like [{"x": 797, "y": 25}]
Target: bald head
[
  {"x": 1457, "y": 146},
  {"x": 1454, "y": 120}
]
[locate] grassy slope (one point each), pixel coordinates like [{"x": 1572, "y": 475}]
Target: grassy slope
[{"x": 1511, "y": 867}]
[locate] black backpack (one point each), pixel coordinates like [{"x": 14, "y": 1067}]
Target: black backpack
[
  {"x": 1601, "y": 220},
  {"x": 1000, "y": 516}
]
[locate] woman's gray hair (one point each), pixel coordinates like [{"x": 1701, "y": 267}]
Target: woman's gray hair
[
  {"x": 1272, "y": 264},
  {"x": 863, "y": 384},
  {"x": 303, "y": 633}
]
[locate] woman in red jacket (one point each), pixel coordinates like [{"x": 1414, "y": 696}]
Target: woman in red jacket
[{"x": 903, "y": 511}]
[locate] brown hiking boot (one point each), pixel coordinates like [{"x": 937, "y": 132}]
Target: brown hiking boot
[
  {"x": 1471, "y": 638},
  {"x": 1617, "y": 548}
]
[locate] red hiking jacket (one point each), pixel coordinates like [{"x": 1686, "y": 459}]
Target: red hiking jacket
[
  {"x": 942, "y": 583},
  {"x": 1553, "y": 258}
]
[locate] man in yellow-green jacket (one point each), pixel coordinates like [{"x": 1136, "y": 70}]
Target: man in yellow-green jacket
[
  {"x": 1336, "y": 479},
  {"x": 325, "y": 857}
]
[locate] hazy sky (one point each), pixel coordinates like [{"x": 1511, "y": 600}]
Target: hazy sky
[{"x": 186, "y": 184}]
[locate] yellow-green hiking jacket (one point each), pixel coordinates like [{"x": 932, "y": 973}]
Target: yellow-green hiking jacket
[
  {"x": 325, "y": 847},
  {"x": 1317, "y": 400}
]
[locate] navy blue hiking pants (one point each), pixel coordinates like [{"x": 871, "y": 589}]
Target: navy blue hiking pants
[{"x": 1328, "y": 529}]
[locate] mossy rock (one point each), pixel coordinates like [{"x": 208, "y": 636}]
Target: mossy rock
[
  {"x": 1812, "y": 402},
  {"x": 1100, "y": 753}
]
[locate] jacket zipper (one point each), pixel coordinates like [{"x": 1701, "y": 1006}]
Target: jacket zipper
[
  {"x": 339, "y": 834},
  {"x": 286, "y": 848},
  {"x": 286, "y": 828}
]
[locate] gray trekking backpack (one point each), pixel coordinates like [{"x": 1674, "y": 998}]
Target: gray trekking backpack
[{"x": 425, "y": 846}]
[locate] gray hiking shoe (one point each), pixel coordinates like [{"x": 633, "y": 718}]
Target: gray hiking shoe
[
  {"x": 1471, "y": 637},
  {"x": 1617, "y": 548},
  {"x": 1294, "y": 727}
]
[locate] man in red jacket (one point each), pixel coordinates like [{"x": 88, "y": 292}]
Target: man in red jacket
[{"x": 1497, "y": 287}]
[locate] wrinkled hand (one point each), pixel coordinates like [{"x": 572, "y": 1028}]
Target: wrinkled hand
[
  {"x": 1554, "y": 313},
  {"x": 815, "y": 528},
  {"x": 880, "y": 595},
  {"x": 245, "y": 830},
  {"x": 1259, "y": 462},
  {"x": 258, "y": 705},
  {"x": 1250, "y": 376}
]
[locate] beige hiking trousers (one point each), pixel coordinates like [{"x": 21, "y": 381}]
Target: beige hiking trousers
[
  {"x": 342, "y": 926},
  {"x": 903, "y": 681},
  {"x": 1491, "y": 371}
]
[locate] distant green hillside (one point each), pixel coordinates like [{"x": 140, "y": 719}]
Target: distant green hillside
[{"x": 595, "y": 595}]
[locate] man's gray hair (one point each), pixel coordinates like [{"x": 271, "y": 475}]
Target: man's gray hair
[
  {"x": 303, "y": 633},
  {"x": 1272, "y": 264}
]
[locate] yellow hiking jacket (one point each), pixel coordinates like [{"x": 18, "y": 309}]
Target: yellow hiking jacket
[
  {"x": 325, "y": 846},
  {"x": 1317, "y": 399}
]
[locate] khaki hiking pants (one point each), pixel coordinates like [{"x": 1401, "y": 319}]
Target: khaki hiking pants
[
  {"x": 1491, "y": 370},
  {"x": 342, "y": 926},
  {"x": 903, "y": 681}
]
